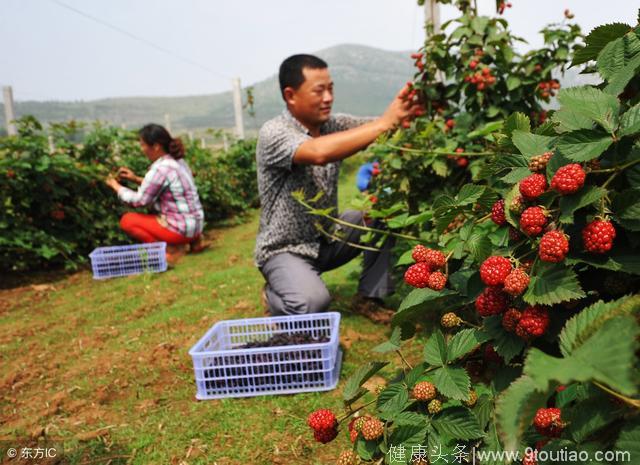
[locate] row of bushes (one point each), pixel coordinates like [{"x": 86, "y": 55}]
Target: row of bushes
[{"x": 56, "y": 207}]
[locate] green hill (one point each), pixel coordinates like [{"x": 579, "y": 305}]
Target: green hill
[{"x": 365, "y": 78}]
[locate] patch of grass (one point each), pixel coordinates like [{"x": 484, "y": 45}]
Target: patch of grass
[{"x": 103, "y": 365}]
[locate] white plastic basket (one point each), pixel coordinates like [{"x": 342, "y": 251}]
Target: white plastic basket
[
  {"x": 124, "y": 260},
  {"x": 223, "y": 370}
]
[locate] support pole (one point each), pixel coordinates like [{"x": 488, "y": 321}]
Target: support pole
[
  {"x": 237, "y": 107},
  {"x": 9, "y": 113}
]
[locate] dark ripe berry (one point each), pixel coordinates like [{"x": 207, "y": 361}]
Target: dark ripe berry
[
  {"x": 492, "y": 301},
  {"x": 491, "y": 356},
  {"x": 569, "y": 179},
  {"x": 514, "y": 235},
  {"x": 598, "y": 236},
  {"x": 325, "y": 435},
  {"x": 417, "y": 275},
  {"x": 494, "y": 270},
  {"x": 497, "y": 213},
  {"x": 553, "y": 247},
  {"x": 533, "y": 322},
  {"x": 533, "y": 186},
  {"x": 532, "y": 221},
  {"x": 510, "y": 319}
]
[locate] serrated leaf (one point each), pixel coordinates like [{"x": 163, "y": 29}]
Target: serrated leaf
[
  {"x": 516, "y": 175},
  {"x": 506, "y": 344},
  {"x": 621, "y": 78},
  {"x": 582, "y": 325},
  {"x": 569, "y": 204},
  {"x": 358, "y": 378},
  {"x": 452, "y": 382},
  {"x": 479, "y": 245},
  {"x": 623, "y": 259},
  {"x": 531, "y": 144},
  {"x": 569, "y": 120},
  {"x": 552, "y": 284},
  {"x": 629, "y": 440},
  {"x": 588, "y": 417},
  {"x": 593, "y": 103},
  {"x": 630, "y": 121},
  {"x": 597, "y": 39},
  {"x": 513, "y": 82},
  {"x": 517, "y": 121},
  {"x": 583, "y": 144},
  {"x": 463, "y": 342},
  {"x": 392, "y": 344},
  {"x": 366, "y": 449},
  {"x": 393, "y": 399},
  {"x": 417, "y": 300},
  {"x": 469, "y": 194},
  {"x": 408, "y": 436},
  {"x": 492, "y": 444},
  {"x": 435, "y": 350},
  {"x": 515, "y": 409},
  {"x": 457, "y": 423},
  {"x": 405, "y": 258},
  {"x": 411, "y": 418}
]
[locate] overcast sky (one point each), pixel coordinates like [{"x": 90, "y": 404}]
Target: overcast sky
[{"x": 191, "y": 47}]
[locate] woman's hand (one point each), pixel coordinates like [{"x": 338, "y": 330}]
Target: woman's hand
[
  {"x": 112, "y": 183},
  {"x": 126, "y": 174}
]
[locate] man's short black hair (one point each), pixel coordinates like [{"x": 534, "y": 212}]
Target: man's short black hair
[{"x": 291, "y": 70}]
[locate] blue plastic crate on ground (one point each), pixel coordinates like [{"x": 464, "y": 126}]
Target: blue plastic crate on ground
[
  {"x": 224, "y": 368},
  {"x": 124, "y": 260}
]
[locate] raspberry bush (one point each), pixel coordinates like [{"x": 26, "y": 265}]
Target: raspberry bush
[{"x": 538, "y": 342}]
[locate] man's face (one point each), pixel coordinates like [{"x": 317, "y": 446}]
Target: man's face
[{"x": 311, "y": 102}]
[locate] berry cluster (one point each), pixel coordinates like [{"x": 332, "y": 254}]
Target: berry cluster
[
  {"x": 418, "y": 63},
  {"x": 424, "y": 272},
  {"x": 324, "y": 425},
  {"x": 547, "y": 89},
  {"x": 481, "y": 79}
]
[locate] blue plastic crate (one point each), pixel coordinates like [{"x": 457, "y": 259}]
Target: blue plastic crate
[
  {"x": 124, "y": 260},
  {"x": 223, "y": 370}
]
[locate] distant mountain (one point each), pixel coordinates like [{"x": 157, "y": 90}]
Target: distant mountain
[{"x": 366, "y": 79}]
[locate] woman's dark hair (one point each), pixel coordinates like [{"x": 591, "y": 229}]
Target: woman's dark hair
[
  {"x": 155, "y": 134},
  {"x": 291, "y": 70}
]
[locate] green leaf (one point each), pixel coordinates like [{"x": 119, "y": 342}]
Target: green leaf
[
  {"x": 469, "y": 194},
  {"x": 569, "y": 204},
  {"x": 630, "y": 121},
  {"x": 410, "y": 418},
  {"x": 621, "y": 78},
  {"x": 629, "y": 441},
  {"x": 366, "y": 449},
  {"x": 588, "y": 417},
  {"x": 592, "y": 103},
  {"x": 513, "y": 82},
  {"x": 531, "y": 144},
  {"x": 478, "y": 244},
  {"x": 408, "y": 436},
  {"x": 435, "y": 350},
  {"x": 626, "y": 208},
  {"x": 515, "y": 409},
  {"x": 463, "y": 342},
  {"x": 392, "y": 344},
  {"x": 452, "y": 382},
  {"x": 597, "y": 39},
  {"x": 569, "y": 120},
  {"x": 417, "y": 300},
  {"x": 516, "y": 175},
  {"x": 581, "y": 326},
  {"x": 357, "y": 379},
  {"x": 487, "y": 129},
  {"x": 583, "y": 144},
  {"x": 517, "y": 121},
  {"x": 506, "y": 344},
  {"x": 492, "y": 444},
  {"x": 458, "y": 423},
  {"x": 552, "y": 284},
  {"x": 393, "y": 399}
]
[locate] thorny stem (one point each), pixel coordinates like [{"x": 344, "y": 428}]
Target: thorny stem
[
  {"x": 351, "y": 244},
  {"x": 471, "y": 324},
  {"x": 404, "y": 359},
  {"x": 341, "y": 419},
  {"x": 357, "y": 226},
  {"x": 484, "y": 218},
  {"x": 616, "y": 168},
  {"x": 440, "y": 152},
  {"x": 627, "y": 400}
]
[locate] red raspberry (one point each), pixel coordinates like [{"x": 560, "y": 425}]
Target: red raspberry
[
  {"x": 417, "y": 275},
  {"x": 492, "y": 301},
  {"x": 530, "y": 458},
  {"x": 372, "y": 429},
  {"x": 419, "y": 253},
  {"x": 554, "y": 247},
  {"x": 353, "y": 435},
  {"x": 569, "y": 179},
  {"x": 533, "y": 186},
  {"x": 437, "y": 281},
  {"x": 322, "y": 419},
  {"x": 497, "y": 213},
  {"x": 462, "y": 162},
  {"x": 494, "y": 270},
  {"x": 510, "y": 319},
  {"x": 532, "y": 221},
  {"x": 450, "y": 123},
  {"x": 424, "y": 391},
  {"x": 548, "y": 422},
  {"x": 435, "y": 259},
  {"x": 533, "y": 322},
  {"x": 473, "y": 64},
  {"x": 598, "y": 236},
  {"x": 517, "y": 282},
  {"x": 325, "y": 435}
]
